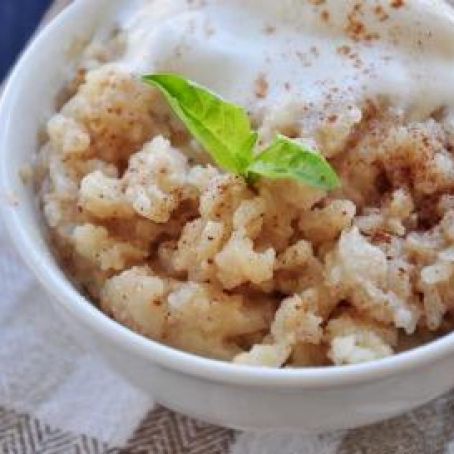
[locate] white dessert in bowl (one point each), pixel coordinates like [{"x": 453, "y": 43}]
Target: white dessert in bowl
[{"x": 326, "y": 285}]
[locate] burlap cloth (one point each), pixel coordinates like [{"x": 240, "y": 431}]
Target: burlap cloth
[{"x": 56, "y": 398}]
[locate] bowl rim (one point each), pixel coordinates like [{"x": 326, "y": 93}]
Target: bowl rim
[{"x": 125, "y": 339}]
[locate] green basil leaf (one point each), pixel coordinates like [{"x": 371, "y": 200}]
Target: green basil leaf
[
  {"x": 223, "y": 129},
  {"x": 288, "y": 159}
]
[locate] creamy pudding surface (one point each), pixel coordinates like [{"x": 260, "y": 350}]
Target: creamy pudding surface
[{"x": 273, "y": 272}]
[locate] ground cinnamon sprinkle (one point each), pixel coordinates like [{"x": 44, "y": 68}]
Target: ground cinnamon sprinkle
[
  {"x": 344, "y": 50},
  {"x": 397, "y": 3},
  {"x": 325, "y": 16},
  {"x": 261, "y": 87},
  {"x": 381, "y": 13},
  {"x": 381, "y": 237},
  {"x": 355, "y": 28}
]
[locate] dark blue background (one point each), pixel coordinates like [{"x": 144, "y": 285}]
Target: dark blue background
[{"x": 18, "y": 20}]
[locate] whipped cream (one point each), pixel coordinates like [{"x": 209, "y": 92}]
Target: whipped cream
[{"x": 259, "y": 52}]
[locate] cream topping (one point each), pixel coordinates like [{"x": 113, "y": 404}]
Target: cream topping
[{"x": 259, "y": 52}]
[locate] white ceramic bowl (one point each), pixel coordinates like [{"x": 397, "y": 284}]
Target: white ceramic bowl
[{"x": 307, "y": 400}]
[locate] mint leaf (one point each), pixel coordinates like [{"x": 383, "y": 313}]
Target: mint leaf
[
  {"x": 223, "y": 129},
  {"x": 288, "y": 159}
]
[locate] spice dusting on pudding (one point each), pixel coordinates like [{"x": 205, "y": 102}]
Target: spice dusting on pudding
[{"x": 222, "y": 247}]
